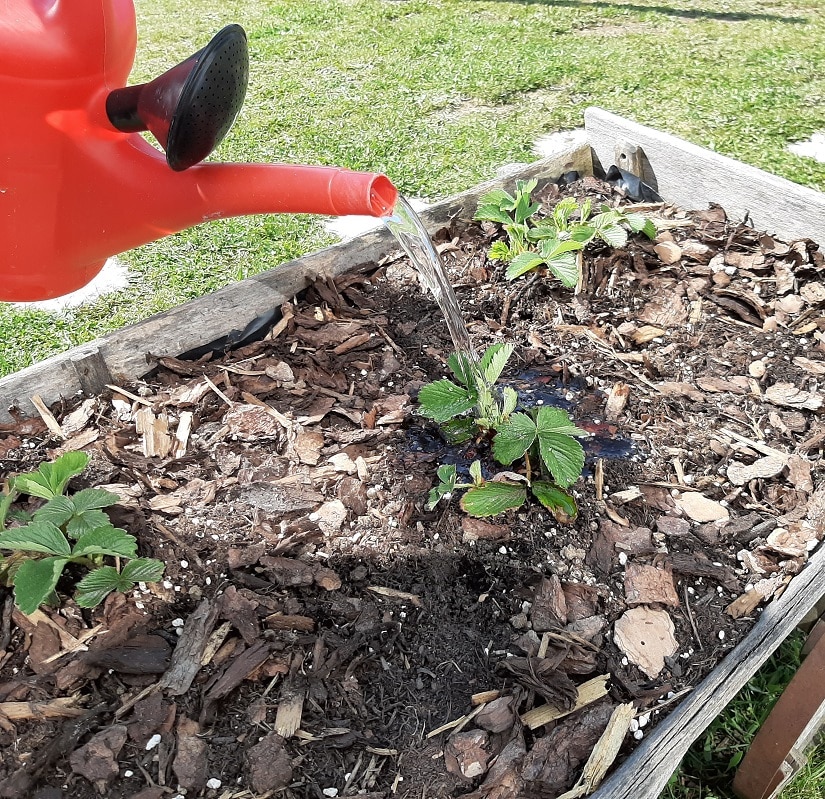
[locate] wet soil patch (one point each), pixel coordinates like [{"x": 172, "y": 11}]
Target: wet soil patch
[{"x": 320, "y": 632}]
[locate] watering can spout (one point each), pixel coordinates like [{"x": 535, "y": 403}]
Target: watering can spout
[{"x": 79, "y": 183}]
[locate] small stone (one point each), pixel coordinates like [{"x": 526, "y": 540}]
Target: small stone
[{"x": 757, "y": 369}]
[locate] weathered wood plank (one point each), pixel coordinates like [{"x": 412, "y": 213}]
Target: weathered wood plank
[
  {"x": 644, "y": 774},
  {"x": 692, "y": 177},
  {"x": 123, "y": 354}
]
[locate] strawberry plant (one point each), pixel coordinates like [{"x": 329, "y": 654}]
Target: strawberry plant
[
  {"x": 556, "y": 240},
  {"x": 542, "y": 439},
  {"x": 66, "y": 529}
]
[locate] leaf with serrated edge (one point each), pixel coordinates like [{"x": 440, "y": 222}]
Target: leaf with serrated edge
[
  {"x": 34, "y": 582},
  {"x": 510, "y": 400},
  {"x": 143, "y": 570},
  {"x": 475, "y": 473},
  {"x": 86, "y": 521},
  {"x": 514, "y": 438},
  {"x": 446, "y": 473},
  {"x": 522, "y": 264},
  {"x": 494, "y": 366},
  {"x": 563, "y": 456},
  {"x": 566, "y": 268},
  {"x": 443, "y": 399},
  {"x": 39, "y": 536},
  {"x": 553, "y": 498},
  {"x": 461, "y": 366},
  {"x": 94, "y": 587},
  {"x": 90, "y": 498},
  {"x": 64, "y": 468},
  {"x": 556, "y": 420},
  {"x": 614, "y": 235},
  {"x": 105, "y": 541},
  {"x": 492, "y": 498},
  {"x": 58, "y": 510}
]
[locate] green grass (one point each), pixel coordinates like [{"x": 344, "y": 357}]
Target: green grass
[
  {"x": 439, "y": 93},
  {"x": 708, "y": 769}
]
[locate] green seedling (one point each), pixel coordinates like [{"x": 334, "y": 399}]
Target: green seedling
[
  {"x": 543, "y": 439},
  {"x": 554, "y": 241},
  {"x": 514, "y": 213},
  {"x": 66, "y": 529}
]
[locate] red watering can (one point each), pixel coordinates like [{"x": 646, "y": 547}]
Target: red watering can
[{"x": 78, "y": 183}]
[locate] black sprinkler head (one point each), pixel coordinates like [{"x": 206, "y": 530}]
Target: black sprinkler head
[{"x": 191, "y": 107}]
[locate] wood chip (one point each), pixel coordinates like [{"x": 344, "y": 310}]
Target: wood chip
[
  {"x": 646, "y": 637},
  {"x": 588, "y": 692},
  {"x": 700, "y": 508},
  {"x": 63, "y": 707},
  {"x": 668, "y": 251},
  {"x": 789, "y": 396},
  {"x": 392, "y": 593},
  {"x": 604, "y": 752},
  {"x": 47, "y": 417},
  {"x": 648, "y": 585},
  {"x": 769, "y": 466},
  {"x": 616, "y": 401}
]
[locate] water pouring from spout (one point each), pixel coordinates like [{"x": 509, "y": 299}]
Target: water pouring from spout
[{"x": 407, "y": 227}]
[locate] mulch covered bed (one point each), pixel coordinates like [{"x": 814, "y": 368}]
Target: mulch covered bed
[{"x": 320, "y": 633}]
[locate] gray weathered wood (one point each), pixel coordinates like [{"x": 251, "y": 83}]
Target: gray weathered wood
[
  {"x": 692, "y": 177},
  {"x": 123, "y": 354},
  {"x": 644, "y": 774}
]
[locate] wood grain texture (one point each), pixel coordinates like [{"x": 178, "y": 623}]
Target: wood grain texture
[
  {"x": 644, "y": 774},
  {"x": 124, "y": 353},
  {"x": 692, "y": 177}
]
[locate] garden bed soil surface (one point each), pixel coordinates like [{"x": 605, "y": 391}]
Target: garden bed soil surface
[{"x": 317, "y": 623}]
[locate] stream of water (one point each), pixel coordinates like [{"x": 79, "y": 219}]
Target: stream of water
[{"x": 405, "y": 225}]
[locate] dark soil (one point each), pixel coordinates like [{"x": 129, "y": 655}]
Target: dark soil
[{"x": 317, "y": 623}]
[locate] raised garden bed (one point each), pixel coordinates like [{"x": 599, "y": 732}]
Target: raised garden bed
[{"x": 327, "y": 624}]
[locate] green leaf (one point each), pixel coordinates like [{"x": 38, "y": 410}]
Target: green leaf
[
  {"x": 560, "y": 452},
  {"x": 494, "y": 360},
  {"x": 34, "y": 582},
  {"x": 457, "y": 431},
  {"x": 566, "y": 268},
  {"x": 553, "y": 498},
  {"x": 95, "y": 586},
  {"x": 649, "y": 229},
  {"x": 143, "y": 570},
  {"x": 90, "y": 498},
  {"x": 552, "y": 248},
  {"x": 447, "y": 473},
  {"x": 37, "y": 536},
  {"x": 446, "y": 484},
  {"x": 493, "y": 498},
  {"x": 583, "y": 234},
  {"x": 514, "y": 438},
  {"x": 614, "y": 235},
  {"x": 5, "y": 504},
  {"x": 522, "y": 264},
  {"x": 493, "y": 206},
  {"x": 510, "y": 401},
  {"x": 475, "y": 473},
  {"x": 443, "y": 399},
  {"x": 86, "y": 521},
  {"x": 556, "y": 420},
  {"x": 563, "y": 456},
  {"x": 524, "y": 209},
  {"x": 462, "y": 366},
  {"x": 563, "y": 211},
  {"x": 58, "y": 510},
  {"x": 105, "y": 541},
  {"x": 499, "y": 251},
  {"x": 51, "y": 479}
]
